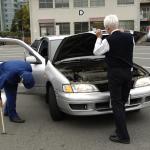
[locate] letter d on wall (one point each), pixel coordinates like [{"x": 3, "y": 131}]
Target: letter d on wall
[{"x": 81, "y": 12}]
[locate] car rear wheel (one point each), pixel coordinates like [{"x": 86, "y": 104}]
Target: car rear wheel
[{"x": 54, "y": 110}]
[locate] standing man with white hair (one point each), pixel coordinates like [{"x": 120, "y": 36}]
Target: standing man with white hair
[{"x": 118, "y": 50}]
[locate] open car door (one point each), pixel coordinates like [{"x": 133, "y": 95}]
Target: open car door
[{"x": 14, "y": 49}]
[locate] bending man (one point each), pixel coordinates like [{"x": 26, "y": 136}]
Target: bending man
[{"x": 11, "y": 73}]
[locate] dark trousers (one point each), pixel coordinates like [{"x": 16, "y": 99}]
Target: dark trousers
[
  {"x": 119, "y": 85},
  {"x": 11, "y": 92}
]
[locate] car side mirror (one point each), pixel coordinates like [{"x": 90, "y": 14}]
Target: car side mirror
[{"x": 31, "y": 59}]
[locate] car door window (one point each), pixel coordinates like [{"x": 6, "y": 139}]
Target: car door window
[
  {"x": 43, "y": 51},
  {"x": 11, "y": 51}
]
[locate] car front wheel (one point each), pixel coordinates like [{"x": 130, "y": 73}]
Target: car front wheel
[{"x": 54, "y": 110}]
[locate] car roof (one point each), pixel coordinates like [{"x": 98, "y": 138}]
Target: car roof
[{"x": 54, "y": 37}]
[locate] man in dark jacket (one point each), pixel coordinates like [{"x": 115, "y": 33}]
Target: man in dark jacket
[
  {"x": 118, "y": 50},
  {"x": 11, "y": 73}
]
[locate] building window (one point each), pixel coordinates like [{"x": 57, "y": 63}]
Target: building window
[
  {"x": 64, "y": 28},
  {"x": 96, "y": 25},
  {"x": 45, "y": 3},
  {"x": 144, "y": 26},
  {"x": 145, "y": 12},
  {"x": 96, "y": 3},
  {"x": 126, "y": 24},
  {"x": 15, "y": 5},
  {"x": 80, "y": 3},
  {"x": 122, "y": 2},
  {"x": 61, "y": 3},
  {"x": 81, "y": 27},
  {"x": 46, "y": 29}
]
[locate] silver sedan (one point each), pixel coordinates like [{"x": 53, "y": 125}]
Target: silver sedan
[{"x": 73, "y": 80}]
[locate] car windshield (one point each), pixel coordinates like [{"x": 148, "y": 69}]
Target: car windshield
[{"x": 54, "y": 45}]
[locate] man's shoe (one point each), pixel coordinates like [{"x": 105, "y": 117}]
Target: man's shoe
[
  {"x": 116, "y": 139},
  {"x": 17, "y": 119}
]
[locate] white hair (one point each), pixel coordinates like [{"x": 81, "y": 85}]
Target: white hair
[{"x": 111, "y": 21}]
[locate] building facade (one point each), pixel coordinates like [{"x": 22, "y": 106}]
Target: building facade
[
  {"x": 7, "y": 12},
  {"x": 1, "y": 19},
  {"x": 145, "y": 15},
  {"x": 50, "y": 17}
]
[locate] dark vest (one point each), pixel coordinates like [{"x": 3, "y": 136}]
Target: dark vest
[{"x": 120, "y": 54}]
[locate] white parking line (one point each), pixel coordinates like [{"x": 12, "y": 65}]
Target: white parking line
[
  {"x": 146, "y": 67},
  {"x": 142, "y": 53},
  {"x": 140, "y": 58}
]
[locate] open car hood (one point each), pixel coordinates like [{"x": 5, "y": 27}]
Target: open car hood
[
  {"x": 82, "y": 45},
  {"x": 75, "y": 46}
]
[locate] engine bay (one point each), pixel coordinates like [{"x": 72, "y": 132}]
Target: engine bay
[{"x": 93, "y": 72}]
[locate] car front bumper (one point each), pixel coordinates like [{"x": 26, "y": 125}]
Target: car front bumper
[{"x": 97, "y": 103}]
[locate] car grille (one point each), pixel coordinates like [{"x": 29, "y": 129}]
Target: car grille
[
  {"x": 103, "y": 87},
  {"x": 102, "y": 106},
  {"x": 106, "y": 105},
  {"x": 135, "y": 101},
  {"x": 78, "y": 106}
]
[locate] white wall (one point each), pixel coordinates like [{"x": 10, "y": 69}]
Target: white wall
[{"x": 124, "y": 12}]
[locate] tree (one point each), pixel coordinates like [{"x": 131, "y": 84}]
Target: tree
[{"x": 21, "y": 21}]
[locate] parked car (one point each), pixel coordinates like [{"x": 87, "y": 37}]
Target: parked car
[{"x": 74, "y": 80}]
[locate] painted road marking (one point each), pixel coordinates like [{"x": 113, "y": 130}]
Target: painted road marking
[
  {"x": 142, "y": 53},
  {"x": 146, "y": 67},
  {"x": 140, "y": 58}
]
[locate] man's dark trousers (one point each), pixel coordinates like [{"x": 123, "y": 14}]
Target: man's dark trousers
[
  {"x": 119, "y": 85},
  {"x": 11, "y": 93}
]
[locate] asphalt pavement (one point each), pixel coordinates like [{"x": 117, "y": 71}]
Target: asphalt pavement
[{"x": 39, "y": 132}]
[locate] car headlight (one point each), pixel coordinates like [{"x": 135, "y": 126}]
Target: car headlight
[
  {"x": 142, "y": 82},
  {"x": 79, "y": 88}
]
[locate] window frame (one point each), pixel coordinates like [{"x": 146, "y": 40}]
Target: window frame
[
  {"x": 44, "y": 4},
  {"x": 125, "y": 2},
  {"x": 96, "y": 3},
  {"x": 62, "y": 28},
  {"x": 62, "y": 4},
  {"x": 80, "y": 3},
  {"x": 81, "y": 27},
  {"x": 127, "y": 23},
  {"x": 50, "y": 28}
]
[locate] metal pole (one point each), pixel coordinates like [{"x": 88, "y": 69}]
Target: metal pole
[{"x": 2, "y": 121}]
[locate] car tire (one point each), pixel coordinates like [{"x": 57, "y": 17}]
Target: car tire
[{"x": 54, "y": 110}]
